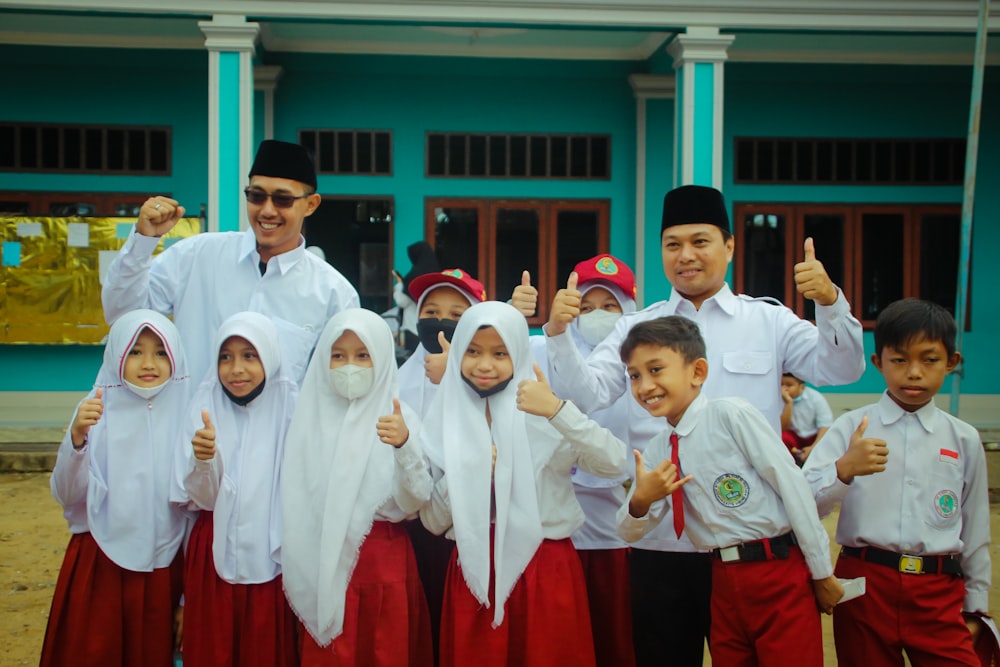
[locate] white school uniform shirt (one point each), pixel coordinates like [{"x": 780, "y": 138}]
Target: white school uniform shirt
[
  {"x": 534, "y": 497},
  {"x": 745, "y": 486},
  {"x": 810, "y": 413},
  {"x": 931, "y": 499},
  {"x": 599, "y": 497},
  {"x": 240, "y": 484},
  {"x": 204, "y": 279},
  {"x": 750, "y": 343},
  {"x": 339, "y": 477},
  {"x": 117, "y": 486}
]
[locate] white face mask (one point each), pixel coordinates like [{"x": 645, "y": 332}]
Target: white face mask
[
  {"x": 596, "y": 325},
  {"x": 144, "y": 392},
  {"x": 352, "y": 381}
]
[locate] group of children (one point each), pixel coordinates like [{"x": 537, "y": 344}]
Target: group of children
[{"x": 288, "y": 515}]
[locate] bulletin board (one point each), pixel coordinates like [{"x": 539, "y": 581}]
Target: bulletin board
[{"x": 50, "y": 276}]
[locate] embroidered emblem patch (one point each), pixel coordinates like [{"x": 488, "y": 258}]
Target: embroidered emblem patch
[
  {"x": 946, "y": 503},
  {"x": 731, "y": 490},
  {"x": 606, "y": 266},
  {"x": 454, "y": 273}
]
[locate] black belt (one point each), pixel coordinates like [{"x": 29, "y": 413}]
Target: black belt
[
  {"x": 906, "y": 563},
  {"x": 771, "y": 548}
]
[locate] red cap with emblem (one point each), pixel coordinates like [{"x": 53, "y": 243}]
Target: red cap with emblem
[
  {"x": 456, "y": 277},
  {"x": 607, "y": 269}
]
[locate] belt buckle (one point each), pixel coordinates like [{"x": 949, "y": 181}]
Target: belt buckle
[
  {"x": 911, "y": 564},
  {"x": 730, "y": 554}
]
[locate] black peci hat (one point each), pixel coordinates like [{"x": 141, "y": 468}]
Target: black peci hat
[
  {"x": 280, "y": 159},
  {"x": 695, "y": 204}
]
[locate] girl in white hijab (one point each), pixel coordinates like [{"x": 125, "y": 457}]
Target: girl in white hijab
[
  {"x": 119, "y": 583},
  {"x": 353, "y": 472},
  {"x": 235, "y": 610},
  {"x": 502, "y": 446}
]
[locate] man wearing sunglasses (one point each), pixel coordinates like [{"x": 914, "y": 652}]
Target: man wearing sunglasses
[{"x": 204, "y": 279}]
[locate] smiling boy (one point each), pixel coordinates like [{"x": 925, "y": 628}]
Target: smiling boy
[{"x": 914, "y": 517}]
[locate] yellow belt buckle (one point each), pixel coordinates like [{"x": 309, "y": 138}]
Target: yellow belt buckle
[
  {"x": 911, "y": 564},
  {"x": 729, "y": 554}
]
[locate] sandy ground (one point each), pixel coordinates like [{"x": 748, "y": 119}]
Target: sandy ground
[{"x": 33, "y": 537}]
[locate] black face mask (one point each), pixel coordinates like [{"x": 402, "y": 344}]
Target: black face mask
[
  {"x": 427, "y": 331},
  {"x": 243, "y": 400},
  {"x": 486, "y": 393}
]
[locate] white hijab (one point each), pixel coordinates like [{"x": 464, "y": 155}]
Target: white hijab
[
  {"x": 414, "y": 387},
  {"x": 457, "y": 439},
  {"x": 626, "y": 302},
  {"x": 131, "y": 452},
  {"x": 337, "y": 474},
  {"x": 249, "y": 441}
]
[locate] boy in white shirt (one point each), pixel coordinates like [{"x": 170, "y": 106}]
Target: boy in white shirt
[
  {"x": 743, "y": 499},
  {"x": 805, "y": 417},
  {"x": 914, "y": 516}
]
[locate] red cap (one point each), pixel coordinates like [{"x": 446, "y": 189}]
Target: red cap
[
  {"x": 606, "y": 269},
  {"x": 456, "y": 277}
]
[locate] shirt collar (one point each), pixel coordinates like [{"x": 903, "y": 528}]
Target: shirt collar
[
  {"x": 286, "y": 260},
  {"x": 690, "y": 418},
  {"x": 890, "y": 413},
  {"x": 724, "y": 299}
]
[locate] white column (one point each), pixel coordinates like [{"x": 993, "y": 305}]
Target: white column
[{"x": 265, "y": 79}]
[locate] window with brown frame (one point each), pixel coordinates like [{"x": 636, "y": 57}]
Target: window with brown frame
[
  {"x": 498, "y": 239},
  {"x": 366, "y": 152},
  {"x": 62, "y": 204},
  {"x": 85, "y": 149},
  {"x": 875, "y": 253},
  {"x": 528, "y": 156}
]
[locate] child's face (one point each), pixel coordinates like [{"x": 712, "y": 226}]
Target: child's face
[
  {"x": 443, "y": 303},
  {"x": 240, "y": 369},
  {"x": 663, "y": 382},
  {"x": 792, "y": 387},
  {"x": 348, "y": 349},
  {"x": 598, "y": 298},
  {"x": 147, "y": 364},
  {"x": 486, "y": 362},
  {"x": 915, "y": 372}
]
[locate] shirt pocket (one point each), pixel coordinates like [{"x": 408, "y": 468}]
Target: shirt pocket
[
  {"x": 748, "y": 362},
  {"x": 944, "y": 494},
  {"x": 296, "y": 347}
]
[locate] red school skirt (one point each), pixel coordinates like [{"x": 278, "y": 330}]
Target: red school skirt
[
  {"x": 386, "y": 622},
  {"x": 546, "y": 620},
  {"x": 106, "y": 616},
  {"x": 232, "y": 625}
]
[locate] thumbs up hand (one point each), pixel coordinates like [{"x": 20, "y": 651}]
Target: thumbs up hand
[
  {"x": 811, "y": 279},
  {"x": 536, "y": 398},
  {"x": 525, "y": 296},
  {"x": 864, "y": 456},
  {"x": 436, "y": 364},
  {"x": 204, "y": 439},
  {"x": 565, "y": 308},
  {"x": 392, "y": 429},
  {"x": 653, "y": 485},
  {"x": 88, "y": 414}
]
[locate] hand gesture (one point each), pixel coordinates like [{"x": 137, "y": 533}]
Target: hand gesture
[
  {"x": 525, "y": 296},
  {"x": 88, "y": 414},
  {"x": 536, "y": 398},
  {"x": 158, "y": 216},
  {"x": 828, "y": 593},
  {"x": 653, "y": 485},
  {"x": 565, "y": 307},
  {"x": 864, "y": 456},
  {"x": 435, "y": 364},
  {"x": 204, "y": 439},
  {"x": 392, "y": 429},
  {"x": 811, "y": 279},
  {"x": 786, "y": 396}
]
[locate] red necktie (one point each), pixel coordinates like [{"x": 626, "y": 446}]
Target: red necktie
[{"x": 678, "y": 495}]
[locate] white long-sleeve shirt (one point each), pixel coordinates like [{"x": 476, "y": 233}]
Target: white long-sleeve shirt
[
  {"x": 750, "y": 343},
  {"x": 931, "y": 499},
  {"x": 204, "y": 279},
  {"x": 745, "y": 486}
]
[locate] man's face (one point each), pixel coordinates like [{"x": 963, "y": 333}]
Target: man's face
[
  {"x": 695, "y": 260},
  {"x": 278, "y": 229}
]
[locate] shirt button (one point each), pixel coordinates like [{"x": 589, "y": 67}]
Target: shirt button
[{"x": 746, "y": 367}]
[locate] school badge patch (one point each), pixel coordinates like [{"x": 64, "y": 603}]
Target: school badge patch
[
  {"x": 731, "y": 490},
  {"x": 946, "y": 503},
  {"x": 606, "y": 266}
]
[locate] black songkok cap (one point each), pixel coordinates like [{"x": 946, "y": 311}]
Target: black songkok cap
[
  {"x": 694, "y": 204},
  {"x": 280, "y": 159}
]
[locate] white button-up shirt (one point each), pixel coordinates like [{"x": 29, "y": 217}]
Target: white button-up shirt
[
  {"x": 204, "y": 279},
  {"x": 810, "y": 413},
  {"x": 745, "y": 486},
  {"x": 931, "y": 499}
]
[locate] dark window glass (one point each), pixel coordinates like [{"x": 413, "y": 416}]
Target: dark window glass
[
  {"x": 579, "y": 157},
  {"x": 765, "y": 160},
  {"x": 518, "y": 155},
  {"x": 827, "y": 232},
  {"x": 7, "y": 134},
  {"x": 558, "y": 150},
  {"x": 363, "y": 140},
  {"x": 136, "y": 150},
  {"x": 29, "y": 148},
  {"x": 577, "y": 234},
  {"x": 158, "y": 151},
  {"x": 883, "y": 161},
  {"x": 600, "y": 157},
  {"x": 744, "y": 160},
  {"x": 539, "y": 147},
  {"x": 116, "y": 150},
  {"x": 50, "y": 147},
  {"x": 764, "y": 254},
  {"x": 456, "y": 238},
  {"x": 940, "y": 245},
  {"x": 881, "y": 262},
  {"x": 517, "y": 232},
  {"x": 345, "y": 152},
  {"x": 477, "y": 155},
  {"x": 786, "y": 160},
  {"x": 804, "y": 161},
  {"x": 498, "y": 156},
  {"x": 94, "y": 149},
  {"x": 383, "y": 153},
  {"x": 456, "y": 155},
  {"x": 824, "y": 161}
]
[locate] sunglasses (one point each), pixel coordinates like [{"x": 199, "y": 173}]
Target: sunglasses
[{"x": 259, "y": 198}]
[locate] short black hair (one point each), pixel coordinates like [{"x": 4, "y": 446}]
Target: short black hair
[
  {"x": 909, "y": 319},
  {"x": 675, "y": 332},
  {"x": 792, "y": 375}
]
